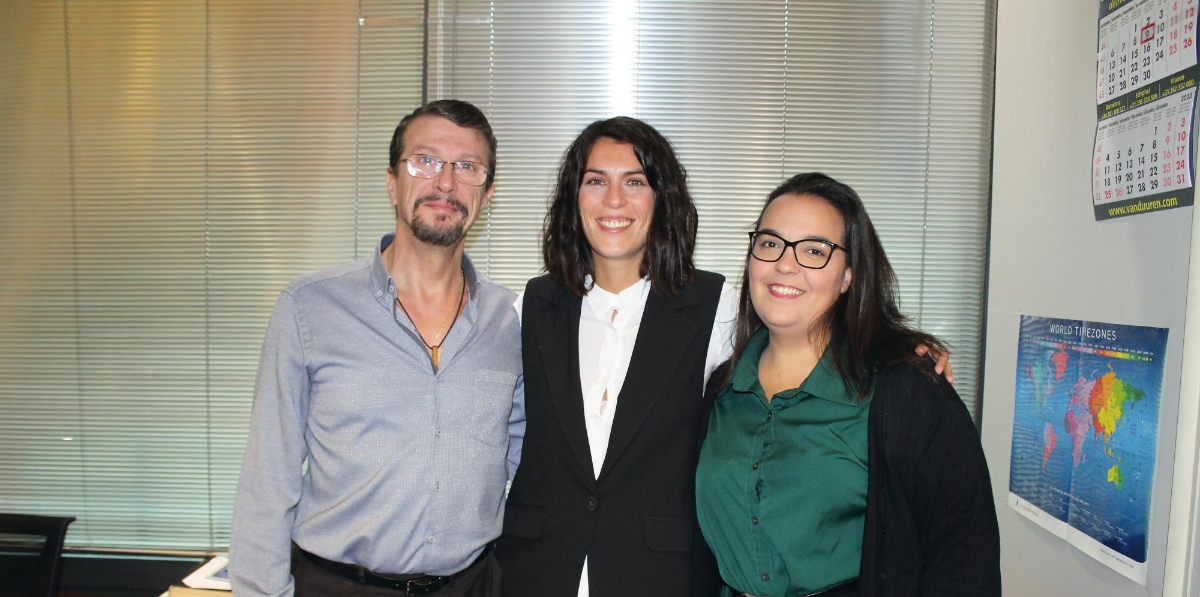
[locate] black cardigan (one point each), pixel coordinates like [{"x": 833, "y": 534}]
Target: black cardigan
[{"x": 930, "y": 526}]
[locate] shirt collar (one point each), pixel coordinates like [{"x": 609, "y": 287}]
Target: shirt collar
[
  {"x": 381, "y": 278},
  {"x": 601, "y": 302},
  {"x": 824, "y": 382},
  {"x": 745, "y": 376}
]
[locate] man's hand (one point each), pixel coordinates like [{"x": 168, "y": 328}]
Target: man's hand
[{"x": 943, "y": 361}]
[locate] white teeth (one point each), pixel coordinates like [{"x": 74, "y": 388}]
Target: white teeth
[
  {"x": 615, "y": 224},
  {"x": 784, "y": 290}
]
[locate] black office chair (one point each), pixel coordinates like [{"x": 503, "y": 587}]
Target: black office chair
[{"x": 31, "y": 554}]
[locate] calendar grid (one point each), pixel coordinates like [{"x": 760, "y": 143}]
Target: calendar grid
[{"x": 1145, "y": 88}]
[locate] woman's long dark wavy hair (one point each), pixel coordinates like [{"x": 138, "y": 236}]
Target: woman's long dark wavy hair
[
  {"x": 672, "y": 235},
  {"x": 865, "y": 328}
]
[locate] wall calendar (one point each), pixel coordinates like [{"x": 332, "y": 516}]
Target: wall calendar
[{"x": 1145, "y": 106}]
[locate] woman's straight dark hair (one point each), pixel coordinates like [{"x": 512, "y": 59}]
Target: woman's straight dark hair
[
  {"x": 864, "y": 328},
  {"x": 672, "y": 235}
]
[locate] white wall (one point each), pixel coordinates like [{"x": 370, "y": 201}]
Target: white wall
[{"x": 1050, "y": 257}]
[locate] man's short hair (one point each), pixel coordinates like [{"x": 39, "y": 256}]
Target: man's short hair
[
  {"x": 459, "y": 112},
  {"x": 672, "y": 234}
]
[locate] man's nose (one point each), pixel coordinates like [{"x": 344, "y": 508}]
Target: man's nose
[{"x": 445, "y": 179}]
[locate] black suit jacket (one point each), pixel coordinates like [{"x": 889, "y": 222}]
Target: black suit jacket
[{"x": 636, "y": 522}]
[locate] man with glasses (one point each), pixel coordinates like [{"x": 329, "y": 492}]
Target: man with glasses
[{"x": 389, "y": 408}]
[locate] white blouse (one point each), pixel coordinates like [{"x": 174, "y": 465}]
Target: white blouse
[{"x": 608, "y": 326}]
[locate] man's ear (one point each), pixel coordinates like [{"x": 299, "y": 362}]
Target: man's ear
[
  {"x": 487, "y": 196},
  {"x": 391, "y": 187}
]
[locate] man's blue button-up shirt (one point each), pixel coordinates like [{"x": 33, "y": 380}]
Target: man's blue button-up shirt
[{"x": 358, "y": 450}]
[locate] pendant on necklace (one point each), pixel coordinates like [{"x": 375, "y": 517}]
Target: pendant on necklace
[{"x": 434, "y": 351}]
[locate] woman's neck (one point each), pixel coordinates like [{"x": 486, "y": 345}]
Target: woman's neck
[
  {"x": 787, "y": 362},
  {"x": 615, "y": 277}
]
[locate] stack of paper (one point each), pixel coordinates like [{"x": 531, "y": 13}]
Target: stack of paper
[{"x": 210, "y": 579}]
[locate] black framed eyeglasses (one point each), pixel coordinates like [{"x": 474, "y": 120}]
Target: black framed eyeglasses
[
  {"x": 423, "y": 165},
  {"x": 810, "y": 252}
]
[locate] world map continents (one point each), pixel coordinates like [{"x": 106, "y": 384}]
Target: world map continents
[
  {"x": 1096, "y": 406},
  {"x": 1085, "y": 432}
]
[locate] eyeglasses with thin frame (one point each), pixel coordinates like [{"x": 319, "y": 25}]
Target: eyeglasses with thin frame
[
  {"x": 423, "y": 165},
  {"x": 811, "y": 253}
]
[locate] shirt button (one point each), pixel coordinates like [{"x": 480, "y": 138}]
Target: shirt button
[
  {"x": 766, "y": 577},
  {"x": 378, "y": 293},
  {"x": 769, "y": 415},
  {"x": 431, "y": 539},
  {"x": 755, "y": 467},
  {"x": 591, "y": 503},
  {"x": 753, "y": 520}
]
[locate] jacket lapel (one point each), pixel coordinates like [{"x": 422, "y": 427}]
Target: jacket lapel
[
  {"x": 662, "y": 338},
  {"x": 557, "y": 329}
]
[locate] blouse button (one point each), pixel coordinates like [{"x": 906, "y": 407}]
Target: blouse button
[
  {"x": 755, "y": 467},
  {"x": 753, "y": 520},
  {"x": 766, "y": 577}
]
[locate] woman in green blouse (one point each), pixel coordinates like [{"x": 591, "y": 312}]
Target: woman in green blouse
[{"x": 836, "y": 461}]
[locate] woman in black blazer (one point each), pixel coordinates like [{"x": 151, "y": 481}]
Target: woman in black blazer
[{"x": 603, "y": 502}]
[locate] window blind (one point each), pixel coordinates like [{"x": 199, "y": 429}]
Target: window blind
[
  {"x": 892, "y": 98},
  {"x": 169, "y": 166}
]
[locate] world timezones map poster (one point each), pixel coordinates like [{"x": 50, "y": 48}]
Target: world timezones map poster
[
  {"x": 1085, "y": 431},
  {"x": 1146, "y": 74}
]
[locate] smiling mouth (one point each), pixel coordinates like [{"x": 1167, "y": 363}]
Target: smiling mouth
[
  {"x": 784, "y": 290},
  {"x": 614, "y": 224}
]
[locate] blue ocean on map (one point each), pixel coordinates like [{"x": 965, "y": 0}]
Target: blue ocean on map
[{"x": 1085, "y": 426}]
